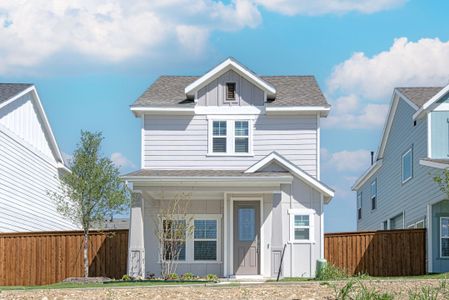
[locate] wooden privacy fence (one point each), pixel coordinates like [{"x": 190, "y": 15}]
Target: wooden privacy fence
[
  {"x": 47, "y": 257},
  {"x": 378, "y": 253}
]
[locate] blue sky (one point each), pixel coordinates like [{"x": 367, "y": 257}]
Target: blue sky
[{"x": 91, "y": 59}]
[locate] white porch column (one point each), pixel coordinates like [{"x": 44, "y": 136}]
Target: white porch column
[{"x": 136, "y": 246}]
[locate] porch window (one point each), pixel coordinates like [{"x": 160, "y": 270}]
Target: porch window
[
  {"x": 301, "y": 222},
  {"x": 174, "y": 239},
  {"x": 219, "y": 137},
  {"x": 205, "y": 240},
  {"x": 407, "y": 165},
  {"x": 444, "y": 237},
  {"x": 241, "y": 137},
  {"x": 374, "y": 194}
]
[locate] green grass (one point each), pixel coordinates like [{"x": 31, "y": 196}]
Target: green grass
[{"x": 64, "y": 285}]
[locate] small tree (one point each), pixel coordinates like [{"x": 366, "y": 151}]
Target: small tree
[
  {"x": 442, "y": 179},
  {"x": 92, "y": 191},
  {"x": 172, "y": 226}
]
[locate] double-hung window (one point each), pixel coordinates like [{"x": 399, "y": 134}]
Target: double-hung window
[
  {"x": 205, "y": 240},
  {"x": 174, "y": 238},
  {"x": 219, "y": 137},
  {"x": 230, "y": 137},
  {"x": 374, "y": 194},
  {"x": 359, "y": 205},
  {"x": 444, "y": 237},
  {"x": 407, "y": 165},
  {"x": 241, "y": 137},
  {"x": 301, "y": 225}
]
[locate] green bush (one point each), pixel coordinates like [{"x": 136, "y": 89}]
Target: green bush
[
  {"x": 126, "y": 277},
  {"x": 212, "y": 277},
  {"x": 188, "y": 276},
  {"x": 172, "y": 276},
  {"x": 331, "y": 272}
]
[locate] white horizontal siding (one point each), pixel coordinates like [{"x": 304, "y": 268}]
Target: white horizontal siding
[
  {"x": 181, "y": 142},
  {"x": 25, "y": 178}
]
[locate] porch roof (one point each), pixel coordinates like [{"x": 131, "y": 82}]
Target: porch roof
[{"x": 201, "y": 173}]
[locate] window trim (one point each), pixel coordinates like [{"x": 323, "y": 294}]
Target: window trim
[
  {"x": 302, "y": 212},
  {"x": 441, "y": 238},
  {"x": 409, "y": 150},
  {"x": 220, "y": 136},
  {"x": 359, "y": 208},
  {"x": 230, "y": 135},
  {"x": 226, "y": 98},
  {"x": 190, "y": 238},
  {"x": 241, "y": 136},
  {"x": 162, "y": 247},
  {"x": 374, "y": 195},
  {"x": 199, "y": 218}
]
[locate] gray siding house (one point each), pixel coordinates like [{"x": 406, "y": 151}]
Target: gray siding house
[
  {"x": 245, "y": 150},
  {"x": 398, "y": 190}
]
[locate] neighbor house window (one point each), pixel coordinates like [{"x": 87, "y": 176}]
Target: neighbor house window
[
  {"x": 385, "y": 225},
  {"x": 174, "y": 239},
  {"x": 230, "y": 91},
  {"x": 407, "y": 165},
  {"x": 397, "y": 222},
  {"x": 444, "y": 237},
  {"x": 205, "y": 240},
  {"x": 374, "y": 194},
  {"x": 241, "y": 137},
  {"x": 219, "y": 137},
  {"x": 359, "y": 205},
  {"x": 301, "y": 225},
  {"x": 230, "y": 137}
]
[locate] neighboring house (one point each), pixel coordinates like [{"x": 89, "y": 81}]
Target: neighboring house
[
  {"x": 245, "y": 149},
  {"x": 30, "y": 163},
  {"x": 398, "y": 190}
]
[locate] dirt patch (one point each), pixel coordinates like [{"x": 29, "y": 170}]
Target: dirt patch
[{"x": 303, "y": 290}]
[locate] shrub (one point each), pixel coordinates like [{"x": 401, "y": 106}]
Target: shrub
[
  {"x": 172, "y": 276},
  {"x": 188, "y": 276},
  {"x": 212, "y": 277},
  {"x": 126, "y": 277},
  {"x": 331, "y": 272},
  {"x": 151, "y": 276},
  {"x": 358, "y": 291}
]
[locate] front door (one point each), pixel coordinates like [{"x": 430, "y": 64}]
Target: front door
[{"x": 246, "y": 237}]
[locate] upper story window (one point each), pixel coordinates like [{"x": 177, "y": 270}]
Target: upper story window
[
  {"x": 374, "y": 194},
  {"x": 407, "y": 165},
  {"x": 219, "y": 137},
  {"x": 359, "y": 205},
  {"x": 230, "y": 91},
  {"x": 230, "y": 137}
]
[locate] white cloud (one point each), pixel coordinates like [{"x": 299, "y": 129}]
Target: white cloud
[
  {"x": 348, "y": 161},
  {"x": 319, "y": 7},
  {"x": 406, "y": 63},
  {"x": 34, "y": 31},
  {"x": 347, "y": 113},
  {"x": 121, "y": 161}
]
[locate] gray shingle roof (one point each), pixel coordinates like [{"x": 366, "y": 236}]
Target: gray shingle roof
[
  {"x": 291, "y": 91},
  {"x": 201, "y": 173},
  {"x": 9, "y": 90},
  {"x": 419, "y": 95}
]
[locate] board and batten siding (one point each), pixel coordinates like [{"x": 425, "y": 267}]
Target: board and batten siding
[
  {"x": 394, "y": 197},
  {"x": 440, "y": 134},
  {"x": 214, "y": 94},
  {"x": 27, "y": 172},
  {"x": 181, "y": 142}
]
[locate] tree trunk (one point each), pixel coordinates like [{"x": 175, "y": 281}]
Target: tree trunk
[{"x": 86, "y": 252}]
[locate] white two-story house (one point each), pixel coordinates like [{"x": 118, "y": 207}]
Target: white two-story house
[
  {"x": 246, "y": 149},
  {"x": 398, "y": 191}
]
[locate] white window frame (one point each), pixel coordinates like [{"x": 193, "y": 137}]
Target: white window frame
[
  {"x": 404, "y": 180},
  {"x": 226, "y": 99},
  {"x": 359, "y": 205},
  {"x": 374, "y": 194},
  {"x": 241, "y": 136},
  {"x": 302, "y": 212},
  {"x": 175, "y": 218},
  {"x": 441, "y": 238},
  {"x": 216, "y": 239},
  {"x": 220, "y": 136},
  {"x": 230, "y": 135}
]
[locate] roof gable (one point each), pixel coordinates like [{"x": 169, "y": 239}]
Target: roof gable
[
  {"x": 229, "y": 64},
  {"x": 9, "y": 90},
  {"x": 427, "y": 106},
  {"x": 281, "y": 161},
  {"x": 27, "y": 105}
]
